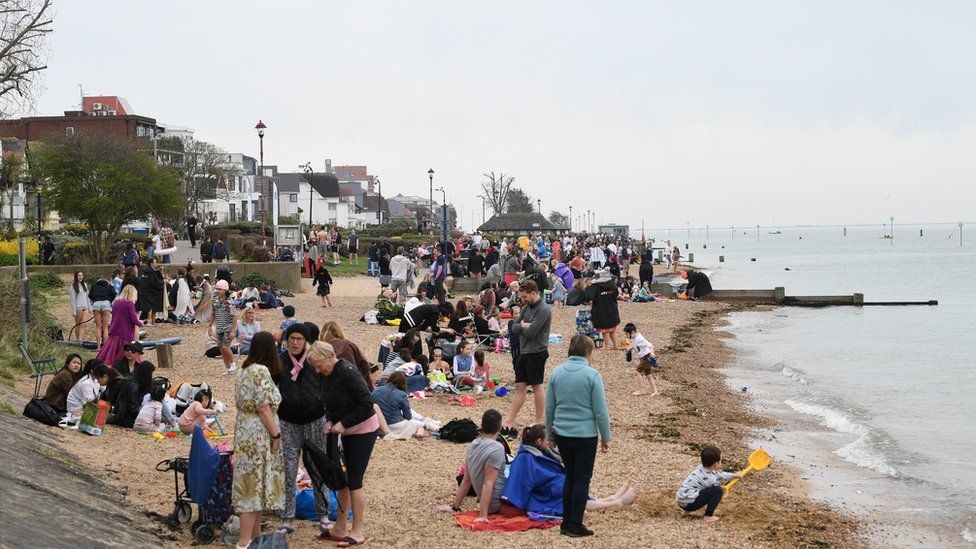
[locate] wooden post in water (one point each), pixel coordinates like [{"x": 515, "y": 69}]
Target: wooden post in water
[
  {"x": 691, "y": 257},
  {"x": 721, "y": 259},
  {"x": 858, "y": 300},
  {"x": 779, "y": 294}
]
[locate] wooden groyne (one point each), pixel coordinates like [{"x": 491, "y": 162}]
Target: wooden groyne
[{"x": 777, "y": 296}]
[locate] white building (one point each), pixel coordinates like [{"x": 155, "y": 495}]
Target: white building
[{"x": 297, "y": 198}]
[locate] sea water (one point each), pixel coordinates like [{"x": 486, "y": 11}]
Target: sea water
[{"x": 875, "y": 405}]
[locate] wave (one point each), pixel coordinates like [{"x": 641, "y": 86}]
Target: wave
[
  {"x": 795, "y": 374},
  {"x": 859, "y": 452}
]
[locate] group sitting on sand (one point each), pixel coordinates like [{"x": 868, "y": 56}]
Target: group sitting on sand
[{"x": 299, "y": 387}]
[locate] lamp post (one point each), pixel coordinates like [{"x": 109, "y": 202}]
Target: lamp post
[
  {"x": 444, "y": 230},
  {"x": 379, "y": 203},
  {"x": 430, "y": 197},
  {"x": 260, "y": 127},
  {"x": 587, "y": 220},
  {"x": 571, "y": 219},
  {"x": 482, "y": 197},
  {"x": 310, "y": 175},
  {"x": 538, "y": 203}
]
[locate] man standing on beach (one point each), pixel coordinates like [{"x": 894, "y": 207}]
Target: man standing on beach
[
  {"x": 532, "y": 326},
  {"x": 438, "y": 272}
]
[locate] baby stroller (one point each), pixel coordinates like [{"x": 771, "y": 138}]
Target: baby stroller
[
  {"x": 584, "y": 326},
  {"x": 208, "y": 477}
]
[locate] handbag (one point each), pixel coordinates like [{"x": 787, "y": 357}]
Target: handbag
[
  {"x": 326, "y": 467},
  {"x": 41, "y": 411}
]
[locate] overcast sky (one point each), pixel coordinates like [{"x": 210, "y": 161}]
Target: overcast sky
[{"x": 714, "y": 113}]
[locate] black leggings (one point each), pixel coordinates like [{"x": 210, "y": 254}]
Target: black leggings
[
  {"x": 356, "y": 449},
  {"x": 709, "y": 498}
]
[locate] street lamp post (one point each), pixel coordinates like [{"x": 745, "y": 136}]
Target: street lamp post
[
  {"x": 538, "y": 203},
  {"x": 310, "y": 173},
  {"x": 379, "y": 203},
  {"x": 260, "y": 127},
  {"x": 444, "y": 230},
  {"x": 430, "y": 198},
  {"x": 571, "y": 219}
]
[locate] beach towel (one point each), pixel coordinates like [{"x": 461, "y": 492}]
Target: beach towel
[{"x": 499, "y": 523}]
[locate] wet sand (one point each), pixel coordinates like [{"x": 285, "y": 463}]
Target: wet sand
[{"x": 655, "y": 441}]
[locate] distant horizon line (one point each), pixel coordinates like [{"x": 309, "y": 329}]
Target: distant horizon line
[{"x": 802, "y": 226}]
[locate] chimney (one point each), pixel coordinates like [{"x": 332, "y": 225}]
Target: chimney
[{"x": 328, "y": 165}]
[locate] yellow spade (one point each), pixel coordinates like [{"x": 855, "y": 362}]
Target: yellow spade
[{"x": 758, "y": 461}]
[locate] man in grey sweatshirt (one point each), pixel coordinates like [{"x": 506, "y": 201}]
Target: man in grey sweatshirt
[{"x": 532, "y": 326}]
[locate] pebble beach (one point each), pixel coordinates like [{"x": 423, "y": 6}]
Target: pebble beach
[{"x": 655, "y": 442}]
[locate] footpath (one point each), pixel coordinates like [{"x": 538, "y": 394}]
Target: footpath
[{"x": 48, "y": 498}]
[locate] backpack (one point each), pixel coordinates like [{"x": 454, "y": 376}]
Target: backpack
[
  {"x": 269, "y": 541},
  {"x": 326, "y": 467},
  {"x": 459, "y": 430},
  {"x": 41, "y": 411}
]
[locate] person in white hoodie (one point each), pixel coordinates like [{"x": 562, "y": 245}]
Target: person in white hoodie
[{"x": 400, "y": 267}]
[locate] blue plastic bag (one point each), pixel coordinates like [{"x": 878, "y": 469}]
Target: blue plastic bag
[{"x": 305, "y": 505}]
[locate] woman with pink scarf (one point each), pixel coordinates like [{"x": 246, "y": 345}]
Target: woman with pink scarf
[{"x": 301, "y": 416}]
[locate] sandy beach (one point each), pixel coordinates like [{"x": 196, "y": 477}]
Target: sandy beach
[{"x": 655, "y": 442}]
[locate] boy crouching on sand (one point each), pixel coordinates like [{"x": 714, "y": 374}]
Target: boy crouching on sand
[
  {"x": 646, "y": 360},
  {"x": 703, "y": 487}
]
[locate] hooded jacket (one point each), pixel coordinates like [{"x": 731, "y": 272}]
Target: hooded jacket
[
  {"x": 535, "y": 482},
  {"x": 563, "y": 272}
]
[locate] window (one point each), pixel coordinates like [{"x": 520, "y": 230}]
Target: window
[
  {"x": 233, "y": 211},
  {"x": 293, "y": 197},
  {"x": 140, "y": 131},
  {"x": 332, "y": 206},
  {"x": 69, "y": 131}
]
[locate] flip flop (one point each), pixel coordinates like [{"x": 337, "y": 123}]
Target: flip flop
[
  {"x": 286, "y": 530},
  {"x": 326, "y": 534},
  {"x": 349, "y": 542}
]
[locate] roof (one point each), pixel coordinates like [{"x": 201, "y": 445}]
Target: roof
[
  {"x": 324, "y": 183},
  {"x": 529, "y": 222},
  {"x": 289, "y": 182}
]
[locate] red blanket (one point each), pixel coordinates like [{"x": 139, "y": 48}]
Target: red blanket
[{"x": 499, "y": 523}]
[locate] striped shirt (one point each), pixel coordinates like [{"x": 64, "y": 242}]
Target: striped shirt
[{"x": 223, "y": 315}]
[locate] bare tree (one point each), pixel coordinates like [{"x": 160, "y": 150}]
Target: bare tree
[
  {"x": 24, "y": 26},
  {"x": 200, "y": 165},
  {"x": 496, "y": 188}
]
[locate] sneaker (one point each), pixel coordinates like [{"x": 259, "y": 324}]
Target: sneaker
[
  {"x": 511, "y": 433},
  {"x": 232, "y": 368}
]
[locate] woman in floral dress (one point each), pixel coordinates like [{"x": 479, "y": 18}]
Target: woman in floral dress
[{"x": 259, "y": 471}]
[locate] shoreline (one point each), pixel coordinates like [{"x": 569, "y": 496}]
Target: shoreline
[
  {"x": 655, "y": 441},
  {"x": 817, "y": 441}
]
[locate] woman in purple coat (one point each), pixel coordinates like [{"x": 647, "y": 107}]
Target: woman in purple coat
[
  {"x": 564, "y": 272},
  {"x": 122, "y": 330}
]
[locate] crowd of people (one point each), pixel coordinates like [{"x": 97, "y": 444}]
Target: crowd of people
[{"x": 303, "y": 386}]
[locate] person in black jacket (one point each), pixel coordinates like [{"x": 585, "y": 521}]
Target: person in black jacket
[
  {"x": 151, "y": 290},
  {"x": 349, "y": 408},
  {"x": 206, "y": 251},
  {"x": 476, "y": 263},
  {"x": 698, "y": 284},
  {"x": 301, "y": 415},
  {"x": 603, "y": 293},
  {"x": 101, "y": 295}
]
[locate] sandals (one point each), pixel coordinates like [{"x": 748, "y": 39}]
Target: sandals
[
  {"x": 350, "y": 541},
  {"x": 284, "y": 529}
]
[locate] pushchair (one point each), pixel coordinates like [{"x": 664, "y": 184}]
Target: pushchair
[{"x": 208, "y": 477}]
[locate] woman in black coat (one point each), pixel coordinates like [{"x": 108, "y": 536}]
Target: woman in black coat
[
  {"x": 151, "y": 290},
  {"x": 350, "y": 413},
  {"x": 603, "y": 294}
]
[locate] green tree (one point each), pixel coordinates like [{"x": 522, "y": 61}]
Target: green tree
[
  {"x": 519, "y": 202},
  {"x": 104, "y": 182}
]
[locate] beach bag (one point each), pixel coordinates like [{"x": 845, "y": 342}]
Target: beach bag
[
  {"x": 459, "y": 430},
  {"x": 41, "y": 411},
  {"x": 305, "y": 505},
  {"x": 326, "y": 468}
]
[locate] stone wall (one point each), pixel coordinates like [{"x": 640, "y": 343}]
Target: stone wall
[{"x": 287, "y": 275}]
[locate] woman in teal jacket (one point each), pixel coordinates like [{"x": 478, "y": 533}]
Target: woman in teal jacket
[{"x": 576, "y": 413}]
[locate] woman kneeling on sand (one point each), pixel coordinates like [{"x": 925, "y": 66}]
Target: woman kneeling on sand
[{"x": 536, "y": 477}]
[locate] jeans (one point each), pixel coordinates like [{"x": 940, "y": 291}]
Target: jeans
[
  {"x": 578, "y": 454},
  {"x": 709, "y": 498},
  {"x": 439, "y": 289}
]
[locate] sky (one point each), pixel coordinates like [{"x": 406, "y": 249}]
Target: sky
[{"x": 670, "y": 113}]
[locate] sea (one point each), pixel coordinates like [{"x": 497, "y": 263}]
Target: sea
[{"x": 875, "y": 406}]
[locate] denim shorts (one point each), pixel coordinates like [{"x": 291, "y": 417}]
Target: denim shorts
[{"x": 102, "y": 305}]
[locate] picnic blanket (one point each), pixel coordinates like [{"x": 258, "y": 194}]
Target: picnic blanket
[{"x": 499, "y": 523}]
